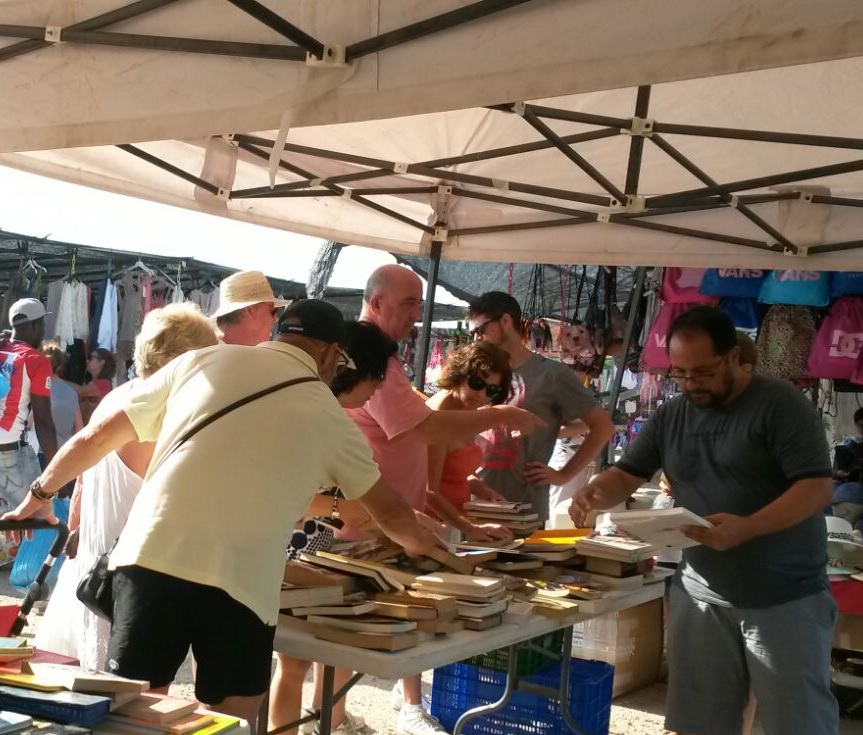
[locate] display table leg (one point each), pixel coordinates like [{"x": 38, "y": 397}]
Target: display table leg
[
  {"x": 509, "y": 690},
  {"x": 325, "y": 723}
]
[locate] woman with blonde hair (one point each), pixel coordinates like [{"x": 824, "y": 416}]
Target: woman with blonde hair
[{"x": 104, "y": 494}]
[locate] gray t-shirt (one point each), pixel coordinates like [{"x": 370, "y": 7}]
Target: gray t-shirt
[
  {"x": 551, "y": 391},
  {"x": 64, "y": 405},
  {"x": 738, "y": 459}
]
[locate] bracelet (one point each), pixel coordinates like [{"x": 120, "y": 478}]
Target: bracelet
[
  {"x": 37, "y": 492},
  {"x": 334, "y": 513}
]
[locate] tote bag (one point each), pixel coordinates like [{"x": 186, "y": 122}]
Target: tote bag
[
  {"x": 736, "y": 283},
  {"x": 846, "y": 284},
  {"x": 683, "y": 286},
  {"x": 743, "y": 312},
  {"x": 800, "y": 288},
  {"x": 785, "y": 341},
  {"x": 654, "y": 356},
  {"x": 836, "y": 350}
]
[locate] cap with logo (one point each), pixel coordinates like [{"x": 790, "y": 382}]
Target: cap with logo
[
  {"x": 243, "y": 289},
  {"x": 26, "y": 310},
  {"x": 313, "y": 318}
]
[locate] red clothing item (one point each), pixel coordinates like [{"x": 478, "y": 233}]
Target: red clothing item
[
  {"x": 29, "y": 374},
  {"x": 459, "y": 464}
]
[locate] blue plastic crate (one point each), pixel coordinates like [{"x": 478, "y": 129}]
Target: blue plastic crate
[{"x": 459, "y": 687}]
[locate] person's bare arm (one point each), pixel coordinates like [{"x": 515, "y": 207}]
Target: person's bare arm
[
  {"x": 463, "y": 425},
  {"x": 79, "y": 420},
  {"x": 43, "y": 422},
  {"x": 600, "y": 430},
  {"x": 803, "y": 499},
  {"x": 573, "y": 429},
  {"x": 604, "y": 491}
]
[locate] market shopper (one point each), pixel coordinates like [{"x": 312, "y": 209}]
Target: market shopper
[
  {"x": 517, "y": 467},
  {"x": 199, "y": 563},
  {"x": 248, "y": 309},
  {"x": 101, "y": 367},
  {"x": 750, "y": 605},
  {"x": 28, "y": 373}
]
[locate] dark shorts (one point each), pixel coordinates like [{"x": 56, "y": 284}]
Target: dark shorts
[{"x": 157, "y": 618}]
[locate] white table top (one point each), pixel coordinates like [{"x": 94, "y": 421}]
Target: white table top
[{"x": 443, "y": 650}]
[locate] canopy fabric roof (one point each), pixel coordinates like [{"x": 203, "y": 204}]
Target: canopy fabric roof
[{"x": 721, "y": 134}]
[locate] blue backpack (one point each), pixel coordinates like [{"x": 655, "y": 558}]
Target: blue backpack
[
  {"x": 799, "y": 288},
  {"x": 735, "y": 283}
]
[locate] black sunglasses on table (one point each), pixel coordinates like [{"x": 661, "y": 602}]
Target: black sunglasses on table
[{"x": 495, "y": 392}]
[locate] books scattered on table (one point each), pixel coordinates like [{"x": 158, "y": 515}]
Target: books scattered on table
[
  {"x": 365, "y": 623},
  {"x": 517, "y": 517},
  {"x": 356, "y": 604},
  {"x": 77, "y": 679},
  {"x": 13, "y": 722},
  {"x": 383, "y": 577},
  {"x": 459, "y": 563},
  {"x": 615, "y": 568},
  {"x": 302, "y": 574},
  {"x": 14, "y": 649},
  {"x": 492, "y": 621},
  {"x": 617, "y": 548},
  {"x": 444, "y": 606},
  {"x": 157, "y": 708},
  {"x": 292, "y": 596},
  {"x": 607, "y": 581},
  {"x": 374, "y": 641},
  {"x": 74, "y": 708},
  {"x": 498, "y": 507},
  {"x": 479, "y": 610},
  {"x": 478, "y": 589},
  {"x": 660, "y": 527}
]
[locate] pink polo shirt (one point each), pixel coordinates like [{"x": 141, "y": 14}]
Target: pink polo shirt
[{"x": 391, "y": 412}]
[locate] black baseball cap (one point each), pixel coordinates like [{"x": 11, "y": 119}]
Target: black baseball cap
[{"x": 313, "y": 318}]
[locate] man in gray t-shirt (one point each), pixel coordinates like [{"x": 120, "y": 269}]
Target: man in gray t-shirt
[
  {"x": 750, "y": 605},
  {"x": 517, "y": 467}
]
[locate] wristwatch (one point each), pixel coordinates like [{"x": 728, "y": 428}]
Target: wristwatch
[{"x": 37, "y": 492}]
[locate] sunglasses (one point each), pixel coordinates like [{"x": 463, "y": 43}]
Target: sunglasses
[
  {"x": 495, "y": 392},
  {"x": 345, "y": 362},
  {"x": 479, "y": 329}
]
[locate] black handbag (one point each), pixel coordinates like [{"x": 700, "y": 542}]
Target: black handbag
[{"x": 96, "y": 588}]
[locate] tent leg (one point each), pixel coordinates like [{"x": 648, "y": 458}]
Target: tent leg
[
  {"x": 628, "y": 336},
  {"x": 428, "y": 313}
]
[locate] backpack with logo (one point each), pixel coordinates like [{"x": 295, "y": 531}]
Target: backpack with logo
[
  {"x": 654, "y": 356},
  {"x": 683, "y": 286},
  {"x": 836, "y": 350},
  {"x": 846, "y": 284},
  {"x": 735, "y": 283},
  {"x": 743, "y": 312},
  {"x": 801, "y": 288},
  {"x": 785, "y": 341}
]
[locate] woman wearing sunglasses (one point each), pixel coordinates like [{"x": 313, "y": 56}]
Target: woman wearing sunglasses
[{"x": 475, "y": 376}]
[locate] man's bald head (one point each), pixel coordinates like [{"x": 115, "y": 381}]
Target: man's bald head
[{"x": 393, "y": 300}]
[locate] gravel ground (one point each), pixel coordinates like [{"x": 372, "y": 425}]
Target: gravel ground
[{"x": 637, "y": 713}]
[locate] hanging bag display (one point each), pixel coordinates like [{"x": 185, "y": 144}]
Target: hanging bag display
[
  {"x": 743, "y": 312},
  {"x": 654, "y": 356},
  {"x": 736, "y": 283},
  {"x": 785, "y": 341},
  {"x": 846, "y": 284},
  {"x": 836, "y": 350},
  {"x": 801, "y": 288},
  {"x": 96, "y": 588},
  {"x": 683, "y": 286}
]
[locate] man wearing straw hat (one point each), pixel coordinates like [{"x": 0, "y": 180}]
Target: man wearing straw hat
[{"x": 247, "y": 309}]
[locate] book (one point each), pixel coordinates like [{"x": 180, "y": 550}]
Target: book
[
  {"x": 39, "y": 656},
  {"x": 503, "y": 518},
  {"x": 461, "y": 586},
  {"x": 513, "y": 565},
  {"x": 444, "y": 605},
  {"x": 67, "y": 707},
  {"x": 479, "y": 610},
  {"x": 385, "y": 578},
  {"x": 477, "y": 554},
  {"x": 615, "y": 568},
  {"x": 29, "y": 681},
  {"x": 77, "y": 679},
  {"x": 660, "y": 527},
  {"x": 157, "y": 708},
  {"x": 13, "y": 722},
  {"x": 365, "y": 624},
  {"x": 405, "y": 612},
  {"x": 492, "y": 621},
  {"x": 615, "y": 547},
  {"x": 187, "y": 724},
  {"x": 440, "y": 627},
  {"x": 459, "y": 564},
  {"x": 10, "y": 645},
  {"x": 604, "y": 581},
  {"x": 296, "y": 596},
  {"x": 496, "y": 506},
  {"x": 377, "y": 642},
  {"x": 353, "y": 608},
  {"x": 302, "y": 574},
  {"x": 46, "y": 727}
]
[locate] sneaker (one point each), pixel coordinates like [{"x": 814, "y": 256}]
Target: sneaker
[
  {"x": 414, "y": 720},
  {"x": 397, "y": 698},
  {"x": 351, "y": 725}
]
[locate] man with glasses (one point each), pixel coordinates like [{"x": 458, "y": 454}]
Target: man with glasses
[
  {"x": 517, "y": 467},
  {"x": 750, "y": 606},
  {"x": 248, "y": 309}
]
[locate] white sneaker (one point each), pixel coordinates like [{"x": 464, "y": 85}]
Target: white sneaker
[
  {"x": 414, "y": 720},
  {"x": 351, "y": 725},
  {"x": 397, "y": 696}
]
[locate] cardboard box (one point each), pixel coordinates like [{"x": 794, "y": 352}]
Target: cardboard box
[
  {"x": 630, "y": 640},
  {"x": 849, "y": 632}
]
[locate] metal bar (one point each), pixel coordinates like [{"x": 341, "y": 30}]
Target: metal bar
[
  {"x": 552, "y": 113},
  {"x": 538, "y": 206},
  {"x": 836, "y": 247},
  {"x": 761, "y": 181},
  {"x": 628, "y": 336},
  {"x": 702, "y": 176},
  {"x": 426, "y": 27},
  {"x": 165, "y": 166},
  {"x": 371, "y": 191},
  {"x": 186, "y": 45},
  {"x": 509, "y": 689},
  {"x": 428, "y": 314},
  {"x": 579, "y": 160},
  {"x": 837, "y": 201},
  {"x": 281, "y": 26},
  {"x": 636, "y": 145},
  {"x": 261, "y": 193},
  {"x": 325, "y": 723},
  {"x": 566, "y": 222},
  {"x": 99, "y": 21},
  {"x": 763, "y": 136},
  {"x": 715, "y": 236}
]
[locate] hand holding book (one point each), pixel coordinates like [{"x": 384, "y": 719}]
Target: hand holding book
[{"x": 728, "y": 531}]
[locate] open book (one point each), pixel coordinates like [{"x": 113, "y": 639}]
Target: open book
[{"x": 661, "y": 527}]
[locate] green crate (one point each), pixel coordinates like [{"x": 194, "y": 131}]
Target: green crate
[{"x": 528, "y": 659}]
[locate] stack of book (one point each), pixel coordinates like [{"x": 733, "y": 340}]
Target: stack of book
[
  {"x": 15, "y": 649},
  {"x": 157, "y": 713},
  {"x": 519, "y": 518},
  {"x": 616, "y": 556},
  {"x": 481, "y": 601}
]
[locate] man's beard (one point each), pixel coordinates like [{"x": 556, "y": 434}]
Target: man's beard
[{"x": 710, "y": 399}]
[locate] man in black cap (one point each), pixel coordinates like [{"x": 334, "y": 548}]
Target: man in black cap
[
  {"x": 200, "y": 560},
  {"x": 28, "y": 373}
]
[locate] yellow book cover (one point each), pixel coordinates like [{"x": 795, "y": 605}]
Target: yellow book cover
[{"x": 220, "y": 723}]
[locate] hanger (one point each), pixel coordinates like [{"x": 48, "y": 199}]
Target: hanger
[
  {"x": 170, "y": 281},
  {"x": 73, "y": 261},
  {"x": 138, "y": 265},
  {"x": 32, "y": 265}
]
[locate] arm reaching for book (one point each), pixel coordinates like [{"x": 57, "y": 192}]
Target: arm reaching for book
[
  {"x": 604, "y": 491},
  {"x": 397, "y": 520}
]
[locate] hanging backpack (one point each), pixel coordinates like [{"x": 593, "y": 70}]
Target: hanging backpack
[
  {"x": 801, "y": 288},
  {"x": 846, "y": 284},
  {"x": 683, "y": 286},
  {"x": 836, "y": 349},
  {"x": 654, "y": 356},
  {"x": 736, "y": 283},
  {"x": 743, "y": 312},
  {"x": 785, "y": 341}
]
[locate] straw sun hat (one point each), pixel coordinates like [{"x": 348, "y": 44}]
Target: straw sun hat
[{"x": 243, "y": 289}]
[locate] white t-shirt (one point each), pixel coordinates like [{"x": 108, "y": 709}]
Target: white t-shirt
[{"x": 221, "y": 509}]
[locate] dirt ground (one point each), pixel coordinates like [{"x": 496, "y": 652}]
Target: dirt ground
[{"x": 637, "y": 713}]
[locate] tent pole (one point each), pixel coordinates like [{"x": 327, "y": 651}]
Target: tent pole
[{"x": 428, "y": 313}]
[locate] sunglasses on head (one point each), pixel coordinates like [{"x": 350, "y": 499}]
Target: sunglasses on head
[
  {"x": 479, "y": 329},
  {"x": 495, "y": 392}
]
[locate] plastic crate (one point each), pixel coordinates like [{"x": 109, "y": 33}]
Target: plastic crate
[
  {"x": 527, "y": 660},
  {"x": 459, "y": 687}
]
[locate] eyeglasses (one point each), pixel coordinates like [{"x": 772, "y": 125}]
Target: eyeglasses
[
  {"x": 494, "y": 392},
  {"x": 345, "y": 362},
  {"x": 479, "y": 329},
  {"x": 700, "y": 375}
]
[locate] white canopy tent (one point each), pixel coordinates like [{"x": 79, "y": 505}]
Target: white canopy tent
[{"x": 676, "y": 133}]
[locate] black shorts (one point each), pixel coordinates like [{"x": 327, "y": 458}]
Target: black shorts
[{"x": 157, "y": 618}]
